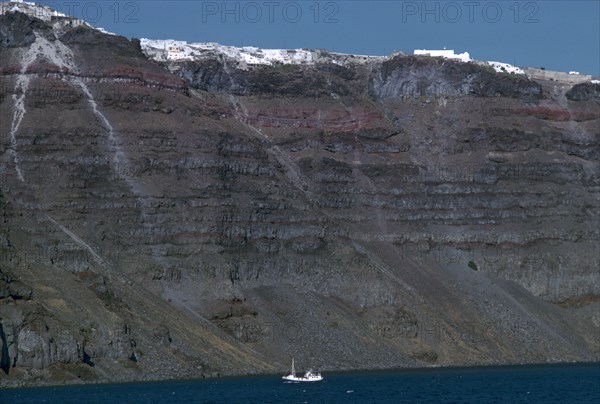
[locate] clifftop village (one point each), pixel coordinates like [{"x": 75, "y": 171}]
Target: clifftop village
[{"x": 172, "y": 50}]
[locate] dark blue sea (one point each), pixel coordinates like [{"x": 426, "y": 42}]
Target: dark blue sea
[{"x": 517, "y": 384}]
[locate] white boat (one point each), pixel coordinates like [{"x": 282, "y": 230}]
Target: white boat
[{"x": 309, "y": 376}]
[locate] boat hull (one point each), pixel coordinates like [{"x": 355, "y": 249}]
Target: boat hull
[{"x": 302, "y": 379}]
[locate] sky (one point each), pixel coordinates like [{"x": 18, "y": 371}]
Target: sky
[{"x": 554, "y": 34}]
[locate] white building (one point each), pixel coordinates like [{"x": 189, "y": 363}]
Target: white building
[
  {"x": 445, "y": 53},
  {"x": 31, "y": 9}
]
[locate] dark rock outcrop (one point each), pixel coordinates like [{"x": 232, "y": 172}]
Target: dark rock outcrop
[
  {"x": 584, "y": 92},
  {"x": 18, "y": 30},
  {"x": 15, "y": 290},
  {"x": 405, "y": 77}
]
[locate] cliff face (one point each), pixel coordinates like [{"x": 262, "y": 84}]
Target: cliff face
[{"x": 197, "y": 218}]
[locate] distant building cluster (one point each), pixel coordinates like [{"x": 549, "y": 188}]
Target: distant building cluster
[
  {"x": 572, "y": 77},
  {"x": 248, "y": 55},
  {"x": 445, "y": 53},
  {"x": 31, "y": 9},
  {"x": 171, "y": 50},
  {"x": 499, "y": 67}
]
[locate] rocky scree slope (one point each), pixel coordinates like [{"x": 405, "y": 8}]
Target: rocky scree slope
[{"x": 194, "y": 219}]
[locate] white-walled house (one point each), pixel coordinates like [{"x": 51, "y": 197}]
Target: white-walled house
[{"x": 445, "y": 53}]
